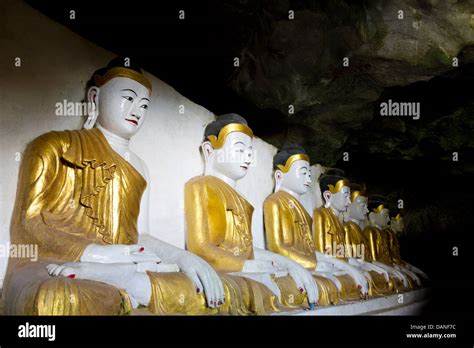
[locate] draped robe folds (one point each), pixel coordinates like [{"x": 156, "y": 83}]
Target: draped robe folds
[
  {"x": 288, "y": 233},
  {"x": 218, "y": 222},
  {"x": 394, "y": 246},
  {"x": 329, "y": 239},
  {"x": 358, "y": 247},
  {"x": 379, "y": 250},
  {"x": 74, "y": 190}
]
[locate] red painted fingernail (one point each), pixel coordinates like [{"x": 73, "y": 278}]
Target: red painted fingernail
[
  {"x": 72, "y": 276},
  {"x": 301, "y": 290},
  {"x": 359, "y": 287},
  {"x": 198, "y": 290},
  {"x": 219, "y": 302},
  {"x": 141, "y": 249}
]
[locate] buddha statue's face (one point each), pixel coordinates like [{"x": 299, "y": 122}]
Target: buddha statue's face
[
  {"x": 233, "y": 159},
  {"x": 297, "y": 179},
  {"x": 381, "y": 219},
  {"x": 121, "y": 104},
  {"x": 397, "y": 225},
  {"x": 358, "y": 208},
  {"x": 339, "y": 201}
]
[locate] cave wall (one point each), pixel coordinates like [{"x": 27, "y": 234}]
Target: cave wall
[{"x": 300, "y": 62}]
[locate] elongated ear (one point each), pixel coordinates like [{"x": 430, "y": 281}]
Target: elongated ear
[
  {"x": 372, "y": 218},
  {"x": 207, "y": 150},
  {"x": 327, "y": 196},
  {"x": 92, "y": 107},
  {"x": 278, "y": 175}
]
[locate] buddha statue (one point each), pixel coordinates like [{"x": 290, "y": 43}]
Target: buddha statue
[
  {"x": 329, "y": 234},
  {"x": 397, "y": 225},
  {"x": 83, "y": 198},
  {"x": 218, "y": 220},
  {"x": 382, "y": 247},
  {"x": 288, "y": 224},
  {"x": 394, "y": 230},
  {"x": 358, "y": 246}
]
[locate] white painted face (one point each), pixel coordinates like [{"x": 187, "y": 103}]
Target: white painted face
[
  {"x": 397, "y": 225},
  {"x": 233, "y": 159},
  {"x": 339, "y": 201},
  {"x": 358, "y": 208},
  {"x": 122, "y": 104},
  {"x": 382, "y": 218},
  {"x": 297, "y": 179}
]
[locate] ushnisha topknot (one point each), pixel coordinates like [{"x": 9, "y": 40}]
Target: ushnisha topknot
[
  {"x": 357, "y": 190},
  {"x": 217, "y": 130},
  {"x": 333, "y": 180},
  {"x": 120, "y": 67},
  {"x": 376, "y": 203},
  {"x": 288, "y": 154}
]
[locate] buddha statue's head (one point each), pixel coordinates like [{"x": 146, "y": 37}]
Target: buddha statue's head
[
  {"x": 119, "y": 95},
  {"x": 357, "y": 210},
  {"x": 292, "y": 170},
  {"x": 228, "y": 147},
  {"x": 396, "y": 223},
  {"x": 335, "y": 190},
  {"x": 379, "y": 213}
]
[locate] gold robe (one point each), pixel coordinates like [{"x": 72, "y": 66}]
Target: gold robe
[
  {"x": 288, "y": 233},
  {"x": 395, "y": 253},
  {"x": 329, "y": 238},
  {"x": 219, "y": 230},
  {"x": 379, "y": 250},
  {"x": 74, "y": 190},
  {"x": 358, "y": 247},
  {"x": 394, "y": 246}
]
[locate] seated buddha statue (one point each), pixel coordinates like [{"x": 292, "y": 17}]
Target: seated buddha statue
[
  {"x": 381, "y": 247},
  {"x": 358, "y": 246},
  {"x": 394, "y": 230},
  {"x": 397, "y": 224},
  {"x": 329, "y": 234},
  {"x": 288, "y": 224},
  {"x": 218, "y": 220},
  {"x": 82, "y": 197}
]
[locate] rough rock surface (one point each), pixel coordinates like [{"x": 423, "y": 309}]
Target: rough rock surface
[{"x": 299, "y": 62}]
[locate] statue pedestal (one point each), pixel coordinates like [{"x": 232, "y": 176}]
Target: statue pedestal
[{"x": 413, "y": 303}]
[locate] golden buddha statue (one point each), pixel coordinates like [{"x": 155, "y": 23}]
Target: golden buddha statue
[
  {"x": 82, "y": 201},
  {"x": 396, "y": 229},
  {"x": 383, "y": 250},
  {"x": 219, "y": 219},
  {"x": 288, "y": 224},
  {"x": 329, "y": 234},
  {"x": 358, "y": 246}
]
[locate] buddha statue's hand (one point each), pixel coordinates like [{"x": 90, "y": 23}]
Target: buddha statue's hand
[
  {"x": 203, "y": 277},
  {"x": 371, "y": 267},
  {"x": 258, "y": 266},
  {"x": 410, "y": 273},
  {"x": 354, "y": 272},
  {"x": 117, "y": 253},
  {"x": 416, "y": 270},
  {"x": 156, "y": 267},
  {"x": 302, "y": 277},
  {"x": 304, "y": 280}
]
